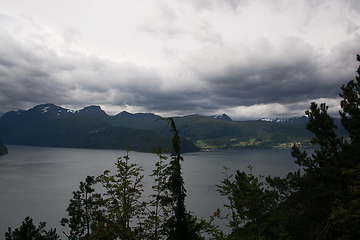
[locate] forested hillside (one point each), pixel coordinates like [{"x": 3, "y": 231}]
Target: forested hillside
[
  {"x": 91, "y": 127},
  {"x": 211, "y": 133},
  {"x": 44, "y": 125}
]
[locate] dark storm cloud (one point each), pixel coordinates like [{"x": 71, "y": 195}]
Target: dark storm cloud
[
  {"x": 300, "y": 73},
  {"x": 167, "y": 101},
  {"x": 215, "y": 77},
  {"x": 31, "y": 76}
]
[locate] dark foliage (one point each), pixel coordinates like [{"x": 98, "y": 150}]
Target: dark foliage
[
  {"x": 35, "y": 129},
  {"x": 28, "y": 231},
  {"x": 320, "y": 201}
]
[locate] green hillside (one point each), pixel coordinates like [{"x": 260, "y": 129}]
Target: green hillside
[
  {"x": 29, "y": 128},
  {"x": 210, "y": 133},
  {"x": 91, "y": 127}
]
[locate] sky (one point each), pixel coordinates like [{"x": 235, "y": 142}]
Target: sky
[{"x": 247, "y": 59}]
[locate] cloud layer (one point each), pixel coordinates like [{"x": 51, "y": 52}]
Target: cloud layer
[{"x": 204, "y": 57}]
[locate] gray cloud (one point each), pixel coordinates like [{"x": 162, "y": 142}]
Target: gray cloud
[
  {"x": 159, "y": 19},
  {"x": 351, "y": 27},
  {"x": 31, "y": 76},
  {"x": 232, "y": 5},
  {"x": 353, "y": 5},
  {"x": 290, "y": 73},
  {"x": 215, "y": 74}
]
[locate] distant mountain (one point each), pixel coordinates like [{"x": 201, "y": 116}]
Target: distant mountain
[
  {"x": 125, "y": 114},
  {"x": 91, "y": 127},
  {"x": 303, "y": 120},
  {"x": 54, "y": 126},
  {"x": 222, "y": 117},
  {"x": 94, "y": 112},
  {"x": 232, "y": 134}
]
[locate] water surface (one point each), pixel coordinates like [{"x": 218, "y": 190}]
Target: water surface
[{"x": 38, "y": 181}]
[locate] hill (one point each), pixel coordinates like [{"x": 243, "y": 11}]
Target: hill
[
  {"x": 91, "y": 127},
  {"x": 52, "y": 126},
  {"x": 210, "y": 133}
]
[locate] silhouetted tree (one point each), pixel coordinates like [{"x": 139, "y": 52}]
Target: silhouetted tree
[
  {"x": 120, "y": 202},
  {"x": 319, "y": 202},
  {"x": 181, "y": 224},
  {"x": 81, "y": 211},
  {"x": 28, "y": 231}
]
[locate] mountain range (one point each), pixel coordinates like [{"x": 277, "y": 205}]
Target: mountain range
[
  {"x": 90, "y": 127},
  {"x": 54, "y": 126}
]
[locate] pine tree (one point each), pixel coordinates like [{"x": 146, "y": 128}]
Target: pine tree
[
  {"x": 320, "y": 201},
  {"x": 120, "y": 202},
  {"x": 181, "y": 225},
  {"x": 319, "y": 195},
  {"x": 82, "y": 216},
  {"x": 28, "y": 231}
]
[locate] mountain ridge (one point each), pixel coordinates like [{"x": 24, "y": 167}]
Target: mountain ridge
[
  {"x": 54, "y": 126},
  {"x": 95, "y": 111},
  {"x": 222, "y": 117},
  {"x": 206, "y": 132}
]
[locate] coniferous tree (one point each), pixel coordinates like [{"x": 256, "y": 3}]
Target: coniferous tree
[
  {"x": 81, "y": 211},
  {"x": 322, "y": 200},
  {"x": 317, "y": 196},
  {"x": 181, "y": 225},
  {"x": 252, "y": 206},
  {"x": 178, "y": 222},
  {"x": 120, "y": 202},
  {"x": 28, "y": 231},
  {"x": 158, "y": 208},
  {"x": 346, "y": 214}
]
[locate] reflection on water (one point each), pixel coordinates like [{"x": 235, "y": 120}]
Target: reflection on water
[{"x": 38, "y": 181}]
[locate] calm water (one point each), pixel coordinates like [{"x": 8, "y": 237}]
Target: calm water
[{"x": 38, "y": 181}]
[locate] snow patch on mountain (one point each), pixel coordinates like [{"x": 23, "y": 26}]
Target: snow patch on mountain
[
  {"x": 294, "y": 120},
  {"x": 222, "y": 117}
]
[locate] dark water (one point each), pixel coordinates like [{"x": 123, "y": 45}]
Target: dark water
[{"x": 38, "y": 181}]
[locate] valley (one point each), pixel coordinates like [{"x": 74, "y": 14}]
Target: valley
[{"x": 53, "y": 126}]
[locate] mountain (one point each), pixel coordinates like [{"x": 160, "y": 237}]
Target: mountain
[
  {"x": 53, "y": 126},
  {"x": 222, "y": 117},
  {"x": 125, "y": 114},
  {"x": 94, "y": 112},
  {"x": 303, "y": 120},
  {"x": 219, "y": 134},
  {"x": 91, "y": 127}
]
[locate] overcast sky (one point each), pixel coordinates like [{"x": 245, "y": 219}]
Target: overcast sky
[{"x": 248, "y": 59}]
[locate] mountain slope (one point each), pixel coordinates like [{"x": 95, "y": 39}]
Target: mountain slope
[
  {"x": 53, "y": 126},
  {"x": 222, "y": 117},
  {"x": 91, "y": 127},
  {"x": 236, "y": 134}
]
